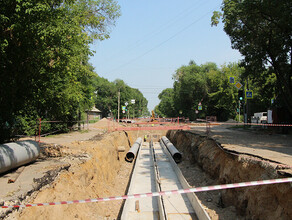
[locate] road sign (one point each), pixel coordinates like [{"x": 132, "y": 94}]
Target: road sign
[
  {"x": 248, "y": 94},
  {"x": 238, "y": 85},
  {"x": 200, "y": 108},
  {"x": 231, "y": 80},
  {"x": 126, "y": 103},
  {"x": 124, "y": 111},
  {"x": 123, "y": 108},
  {"x": 133, "y": 101}
]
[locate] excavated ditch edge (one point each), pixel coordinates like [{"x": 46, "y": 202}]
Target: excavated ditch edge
[{"x": 261, "y": 202}]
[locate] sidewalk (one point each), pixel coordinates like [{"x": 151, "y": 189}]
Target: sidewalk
[{"x": 274, "y": 147}]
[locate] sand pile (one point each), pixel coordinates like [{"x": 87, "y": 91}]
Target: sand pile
[{"x": 105, "y": 123}]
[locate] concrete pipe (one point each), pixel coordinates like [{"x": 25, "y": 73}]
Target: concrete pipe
[
  {"x": 176, "y": 155},
  {"x": 130, "y": 156},
  {"x": 13, "y": 155}
]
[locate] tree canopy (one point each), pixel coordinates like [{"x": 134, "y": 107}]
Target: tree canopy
[
  {"x": 261, "y": 31},
  {"x": 106, "y": 98},
  {"x": 204, "y": 85},
  {"x": 210, "y": 87},
  {"x": 44, "y": 50}
]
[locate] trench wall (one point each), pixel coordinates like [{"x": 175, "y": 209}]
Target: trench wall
[{"x": 258, "y": 202}]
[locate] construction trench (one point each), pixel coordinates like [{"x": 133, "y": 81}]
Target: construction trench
[{"x": 97, "y": 168}]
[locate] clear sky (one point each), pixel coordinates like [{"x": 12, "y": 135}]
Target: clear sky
[{"x": 153, "y": 38}]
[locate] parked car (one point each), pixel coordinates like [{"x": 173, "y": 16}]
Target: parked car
[{"x": 259, "y": 117}]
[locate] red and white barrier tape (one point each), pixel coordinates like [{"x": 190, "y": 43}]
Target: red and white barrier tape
[
  {"x": 151, "y": 128},
  {"x": 253, "y": 124},
  {"x": 143, "y": 195}
]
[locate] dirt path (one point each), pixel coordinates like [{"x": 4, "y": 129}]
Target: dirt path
[{"x": 264, "y": 144}]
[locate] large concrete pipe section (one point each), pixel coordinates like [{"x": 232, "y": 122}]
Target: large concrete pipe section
[
  {"x": 130, "y": 156},
  {"x": 176, "y": 155},
  {"x": 13, "y": 155}
]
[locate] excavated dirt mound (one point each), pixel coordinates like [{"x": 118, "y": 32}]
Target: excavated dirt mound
[
  {"x": 103, "y": 172},
  {"x": 97, "y": 169},
  {"x": 258, "y": 202},
  {"x": 104, "y": 124}
]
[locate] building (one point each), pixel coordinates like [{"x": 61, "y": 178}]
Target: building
[{"x": 93, "y": 114}]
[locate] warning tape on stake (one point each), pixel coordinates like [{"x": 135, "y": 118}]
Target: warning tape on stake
[{"x": 143, "y": 195}]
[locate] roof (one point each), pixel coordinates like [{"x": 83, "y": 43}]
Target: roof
[{"x": 94, "y": 109}]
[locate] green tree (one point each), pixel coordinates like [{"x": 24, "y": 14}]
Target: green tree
[
  {"x": 264, "y": 89},
  {"x": 206, "y": 85},
  {"x": 44, "y": 49},
  {"x": 190, "y": 89},
  {"x": 165, "y": 108},
  {"x": 261, "y": 31},
  {"x": 106, "y": 96},
  {"x": 222, "y": 96},
  {"x": 127, "y": 94}
]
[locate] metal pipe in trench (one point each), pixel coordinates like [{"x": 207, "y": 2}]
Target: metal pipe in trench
[
  {"x": 130, "y": 156},
  {"x": 16, "y": 154},
  {"x": 176, "y": 155}
]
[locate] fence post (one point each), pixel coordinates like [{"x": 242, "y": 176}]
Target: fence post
[
  {"x": 108, "y": 125},
  {"x": 208, "y": 128},
  {"x": 87, "y": 121},
  {"x": 40, "y": 128}
]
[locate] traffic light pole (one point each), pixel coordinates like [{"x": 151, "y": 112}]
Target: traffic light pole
[
  {"x": 119, "y": 96},
  {"x": 246, "y": 104},
  {"x": 239, "y": 111}
]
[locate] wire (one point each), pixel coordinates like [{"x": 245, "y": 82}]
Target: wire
[
  {"x": 160, "y": 29},
  {"x": 163, "y": 42}
]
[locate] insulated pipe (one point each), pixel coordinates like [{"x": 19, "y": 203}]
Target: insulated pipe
[
  {"x": 130, "y": 156},
  {"x": 15, "y": 154},
  {"x": 176, "y": 155}
]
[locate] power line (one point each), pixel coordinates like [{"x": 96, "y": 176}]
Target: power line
[
  {"x": 149, "y": 88},
  {"x": 161, "y": 28},
  {"x": 163, "y": 42}
]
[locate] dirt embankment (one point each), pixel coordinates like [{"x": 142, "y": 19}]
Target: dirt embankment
[
  {"x": 102, "y": 172},
  {"x": 96, "y": 169},
  {"x": 259, "y": 202}
]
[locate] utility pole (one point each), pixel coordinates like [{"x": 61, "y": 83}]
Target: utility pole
[
  {"x": 247, "y": 110},
  {"x": 119, "y": 94},
  {"x": 133, "y": 112}
]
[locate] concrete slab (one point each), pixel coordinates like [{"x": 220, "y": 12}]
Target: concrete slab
[
  {"x": 176, "y": 206},
  {"x": 143, "y": 180},
  {"x": 27, "y": 179}
]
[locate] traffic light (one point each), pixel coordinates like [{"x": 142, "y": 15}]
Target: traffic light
[{"x": 240, "y": 95}]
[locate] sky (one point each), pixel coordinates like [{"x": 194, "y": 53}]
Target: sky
[{"x": 153, "y": 38}]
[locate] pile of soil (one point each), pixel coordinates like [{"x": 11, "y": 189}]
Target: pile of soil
[
  {"x": 103, "y": 172},
  {"x": 104, "y": 123}
]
